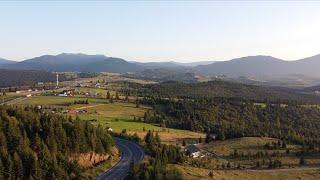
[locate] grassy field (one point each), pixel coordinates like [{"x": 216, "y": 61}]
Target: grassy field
[
  {"x": 121, "y": 116},
  {"x": 56, "y": 100},
  {"x": 118, "y": 116},
  {"x": 100, "y": 91},
  {"x": 192, "y": 173},
  {"x": 9, "y": 97}
]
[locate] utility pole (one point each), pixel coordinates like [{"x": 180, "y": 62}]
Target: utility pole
[
  {"x": 3, "y": 94},
  {"x": 57, "y": 86}
]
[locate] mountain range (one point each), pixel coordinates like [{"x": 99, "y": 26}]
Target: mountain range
[
  {"x": 260, "y": 68},
  {"x": 75, "y": 62},
  {"x": 263, "y": 66}
]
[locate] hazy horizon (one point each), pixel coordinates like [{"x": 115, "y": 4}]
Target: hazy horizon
[
  {"x": 160, "y": 31},
  {"x": 150, "y": 61}
]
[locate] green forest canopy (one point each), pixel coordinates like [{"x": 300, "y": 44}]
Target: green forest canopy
[{"x": 35, "y": 145}]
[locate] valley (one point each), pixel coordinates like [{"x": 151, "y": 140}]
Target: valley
[
  {"x": 159, "y": 90},
  {"x": 132, "y": 108}
]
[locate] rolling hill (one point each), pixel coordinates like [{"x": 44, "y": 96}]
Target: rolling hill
[{"x": 212, "y": 89}]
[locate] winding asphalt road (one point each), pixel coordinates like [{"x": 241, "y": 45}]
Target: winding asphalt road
[{"x": 130, "y": 151}]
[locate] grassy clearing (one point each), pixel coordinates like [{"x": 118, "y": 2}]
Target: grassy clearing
[
  {"x": 191, "y": 173},
  {"x": 116, "y": 110},
  {"x": 168, "y": 135},
  {"x": 101, "y": 91},
  {"x": 252, "y": 144}
]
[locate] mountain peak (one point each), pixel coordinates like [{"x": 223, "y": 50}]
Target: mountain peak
[{"x": 257, "y": 58}]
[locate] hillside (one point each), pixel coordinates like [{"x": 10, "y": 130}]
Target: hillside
[
  {"x": 76, "y": 62},
  {"x": 164, "y": 74},
  {"x": 262, "y": 66},
  {"x": 224, "y": 89},
  {"x": 4, "y": 62},
  {"x": 266, "y": 69},
  {"x": 11, "y": 78},
  {"x": 38, "y": 145}
]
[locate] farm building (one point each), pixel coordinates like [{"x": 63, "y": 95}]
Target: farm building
[{"x": 192, "y": 151}]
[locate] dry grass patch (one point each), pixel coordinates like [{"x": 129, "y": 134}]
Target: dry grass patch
[
  {"x": 192, "y": 173},
  {"x": 252, "y": 144}
]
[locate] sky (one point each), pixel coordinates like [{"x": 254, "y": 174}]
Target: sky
[{"x": 160, "y": 31}]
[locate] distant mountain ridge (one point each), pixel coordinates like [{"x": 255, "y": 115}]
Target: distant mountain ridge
[
  {"x": 5, "y": 61},
  {"x": 75, "y": 62},
  {"x": 262, "y": 66},
  {"x": 252, "y": 67}
]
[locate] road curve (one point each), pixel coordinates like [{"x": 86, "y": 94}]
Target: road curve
[{"x": 130, "y": 151}]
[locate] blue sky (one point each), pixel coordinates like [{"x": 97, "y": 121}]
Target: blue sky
[{"x": 160, "y": 31}]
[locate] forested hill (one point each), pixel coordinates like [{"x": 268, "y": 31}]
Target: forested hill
[
  {"x": 11, "y": 78},
  {"x": 224, "y": 89},
  {"x": 230, "y": 118},
  {"x": 35, "y": 145}
]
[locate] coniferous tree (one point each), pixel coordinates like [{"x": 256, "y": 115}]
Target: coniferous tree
[
  {"x": 1, "y": 170},
  {"x": 108, "y": 95},
  {"x": 302, "y": 161},
  {"x": 17, "y": 167}
]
